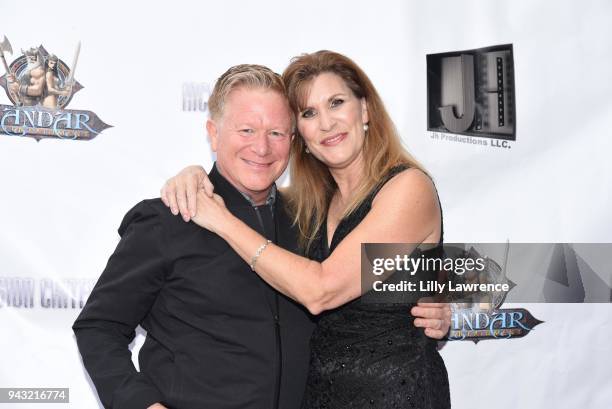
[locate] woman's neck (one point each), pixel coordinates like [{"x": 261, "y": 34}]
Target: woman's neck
[{"x": 348, "y": 180}]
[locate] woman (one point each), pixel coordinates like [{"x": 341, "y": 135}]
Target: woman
[
  {"x": 351, "y": 182},
  {"x": 53, "y": 90}
]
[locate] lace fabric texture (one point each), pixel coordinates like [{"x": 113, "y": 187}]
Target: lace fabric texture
[{"x": 371, "y": 355}]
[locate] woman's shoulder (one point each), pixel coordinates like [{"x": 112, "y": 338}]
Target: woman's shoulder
[
  {"x": 409, "y": 202},
  {"x": 406, "y": 183}
]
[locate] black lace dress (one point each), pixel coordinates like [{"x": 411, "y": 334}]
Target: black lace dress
[{"x": 371, "y": 356}]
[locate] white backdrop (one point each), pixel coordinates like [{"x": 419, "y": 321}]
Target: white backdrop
[{"x": 62, "y": 200}]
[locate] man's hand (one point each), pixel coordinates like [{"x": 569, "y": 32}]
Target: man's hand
[
  {"x": 14, "y": 87},
  {"x": 179, "y": 192},
  {"x": 157, "y": 406},
  {"x": 434, "y": 317}
]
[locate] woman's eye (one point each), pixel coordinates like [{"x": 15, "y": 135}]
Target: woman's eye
[
  {"x": 309, "y": 113},
  {"x": 337, "y": 101}
]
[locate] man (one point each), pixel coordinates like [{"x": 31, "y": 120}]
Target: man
[
  {"x": 217, "y": 335},
  {"x": 31, "y": 84}
]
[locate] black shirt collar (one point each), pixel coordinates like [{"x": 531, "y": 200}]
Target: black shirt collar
[{"x": 231, "y": 195}]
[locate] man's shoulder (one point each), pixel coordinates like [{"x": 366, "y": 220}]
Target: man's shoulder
[
  {"x": 156, "y": 212},
  {"x": 154, "y": 205}
]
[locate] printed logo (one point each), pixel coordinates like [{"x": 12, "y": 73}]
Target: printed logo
[
  {"x": 471, "y": 93},
  {"x": 195, "y": 96},
  {"x": 474, "y": 325},
  {"x": 48, "y": 293},
  {"x": 482, "y": 318},
  {"x": 40, "y": 86},
  {"x": 469, "y": 277}
]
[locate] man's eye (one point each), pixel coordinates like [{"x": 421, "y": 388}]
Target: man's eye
[
  {"x": 247, "y": 131},
  {"x": 309, "y": 113},
  {"x": 337, "y": 101},
  {"x": 277, "y": 134}
]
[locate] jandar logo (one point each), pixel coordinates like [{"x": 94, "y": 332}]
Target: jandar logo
[
  {"x": 481, "y": 316},
  {"x": 470, "y": 323},
  {"x": 471, "y": 93},
  {"x": 40, "y": 86}
]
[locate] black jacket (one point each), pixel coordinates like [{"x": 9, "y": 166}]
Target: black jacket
[{"x": 217, "y": 335}]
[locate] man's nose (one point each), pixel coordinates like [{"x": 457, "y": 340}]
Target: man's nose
[{"x": 261, "y": 144}]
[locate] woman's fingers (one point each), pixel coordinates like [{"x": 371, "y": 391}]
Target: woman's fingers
[
  {"x": 162, "y": 195},
  {"x": 191, "y": 201},
  {"x": 181, "y": 199},
  {"x": 208, "y": 186},
  {"x": 168, "y": 195},
  {"x": 196, "y": 179}
]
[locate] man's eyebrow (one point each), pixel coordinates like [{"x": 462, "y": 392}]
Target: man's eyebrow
[
  {"x": 241, "y": 124},
  {"x": 279, "y": 127}
]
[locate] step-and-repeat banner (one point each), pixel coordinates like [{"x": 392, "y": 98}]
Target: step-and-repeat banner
[{"x": 506, "y": 103}]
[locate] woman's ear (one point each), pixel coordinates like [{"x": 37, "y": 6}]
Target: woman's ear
[{"x": 364, "y": 111}]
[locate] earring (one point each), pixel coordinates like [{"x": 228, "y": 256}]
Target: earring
[
  {"x": 366, "y": 127},
  {"x": 307, "y": 150}
]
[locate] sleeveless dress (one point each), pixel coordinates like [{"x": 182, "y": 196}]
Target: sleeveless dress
[{"x": 371, "y": 355}]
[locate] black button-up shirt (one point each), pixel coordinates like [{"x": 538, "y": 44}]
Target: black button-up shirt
[{"x": 212, "y": 332}]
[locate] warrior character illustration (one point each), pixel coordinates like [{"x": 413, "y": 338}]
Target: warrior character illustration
[
  {"x": 31, "y": 84},
  {"x": 53, "y": 86}
]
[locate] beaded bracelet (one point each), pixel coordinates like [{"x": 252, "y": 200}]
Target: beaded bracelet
[{"x": 258, "y": 253}]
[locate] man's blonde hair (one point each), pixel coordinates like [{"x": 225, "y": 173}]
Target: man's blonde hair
[{"x": 243, "y": 75}]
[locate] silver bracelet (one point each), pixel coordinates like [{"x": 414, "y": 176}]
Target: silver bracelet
[{"x": 258, "y": 253}]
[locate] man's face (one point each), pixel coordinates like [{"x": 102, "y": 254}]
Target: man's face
[
  {"x": 252, "y": 139},
  {"x": 32, "y": 59}
]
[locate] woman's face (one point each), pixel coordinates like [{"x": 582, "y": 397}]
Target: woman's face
[{"x": 332, "y": 120}]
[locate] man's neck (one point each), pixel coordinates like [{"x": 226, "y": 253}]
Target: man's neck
[{"x": 255, "y": 198}]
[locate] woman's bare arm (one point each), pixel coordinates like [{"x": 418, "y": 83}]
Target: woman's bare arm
[{"x": 406, "y": 210}]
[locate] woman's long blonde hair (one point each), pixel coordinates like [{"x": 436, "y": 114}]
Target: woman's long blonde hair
[{"x": 312, "y": 185}]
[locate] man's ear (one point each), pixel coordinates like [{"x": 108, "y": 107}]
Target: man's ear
[{"x": 211, "y": 128}]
